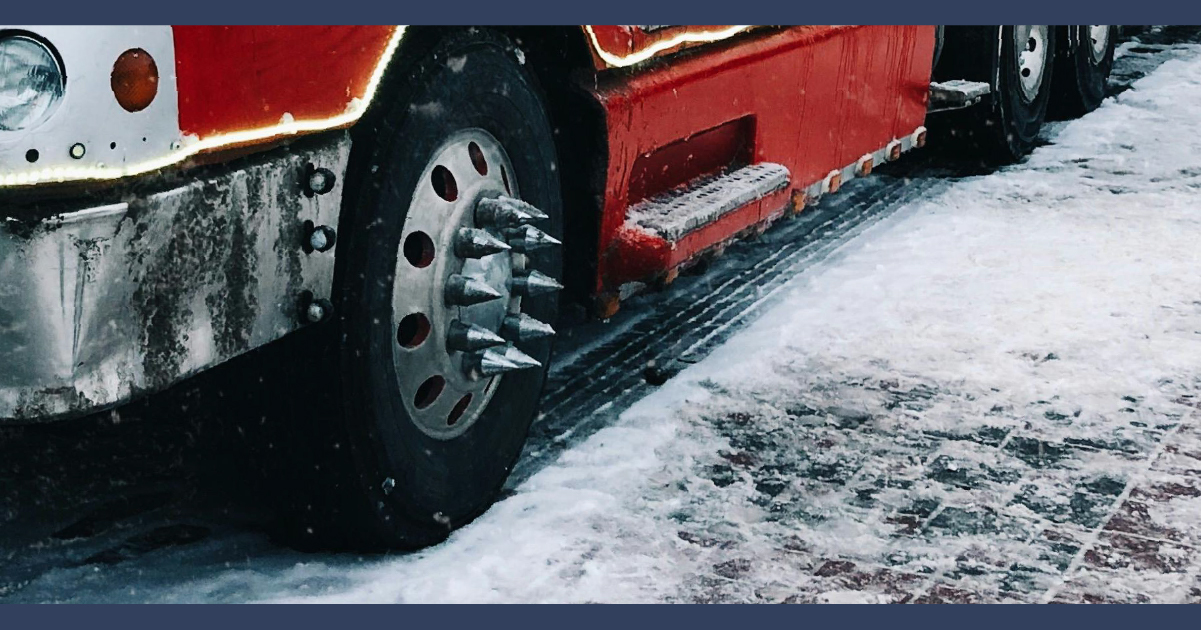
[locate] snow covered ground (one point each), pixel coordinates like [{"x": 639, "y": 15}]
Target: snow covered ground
[{"x": 992, "y": 395}]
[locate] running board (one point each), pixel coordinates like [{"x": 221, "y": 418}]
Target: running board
[
  {"x": 956, "y": 94},
  {"x": 705, "y": 200},
  {"x": 668, "y": 232}
]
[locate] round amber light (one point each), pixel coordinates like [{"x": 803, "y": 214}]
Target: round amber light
[{"x": 135, "y": 79}]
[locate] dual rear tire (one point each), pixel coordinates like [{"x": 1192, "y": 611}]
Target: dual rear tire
[
  {"x": 1082, "y": 65},
  {"x": 1034, "y": 71}
]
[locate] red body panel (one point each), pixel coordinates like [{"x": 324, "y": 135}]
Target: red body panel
[
  {"x": 813, "y": 98},
  {"x": 264, "y": 72},
  {"x": 820, "y": 98}
]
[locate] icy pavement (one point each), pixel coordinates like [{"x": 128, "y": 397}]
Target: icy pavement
[{"x": 994, "y": 394}]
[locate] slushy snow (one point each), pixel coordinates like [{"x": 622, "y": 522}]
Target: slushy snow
[{"x": 961, "y": 400}]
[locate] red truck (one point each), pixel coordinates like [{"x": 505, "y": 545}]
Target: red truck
[{"x": 423, "y": 199}]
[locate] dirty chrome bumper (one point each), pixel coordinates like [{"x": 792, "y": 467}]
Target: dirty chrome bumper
[{"x": 99, "y": 304}]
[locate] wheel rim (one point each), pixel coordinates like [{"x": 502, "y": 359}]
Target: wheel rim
[
  {"x": 1030, "y": 45},
  {"x": 1099, "y": 38},
  {"x": 459, "y": 283}
]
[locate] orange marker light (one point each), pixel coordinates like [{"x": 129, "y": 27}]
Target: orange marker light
[
  {"x": 799, "y": 201},
  {"x": 833, "y": 182},
  {"x": 135, "y": 79},
  {"x": 865, "y": 165},
  {"x": 894, "y": 151}
]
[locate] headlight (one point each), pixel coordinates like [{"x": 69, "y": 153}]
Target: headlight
[{"x": 31, "y": 82}]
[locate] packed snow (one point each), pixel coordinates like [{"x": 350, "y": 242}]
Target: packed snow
[{"x": 991, "y": 395}]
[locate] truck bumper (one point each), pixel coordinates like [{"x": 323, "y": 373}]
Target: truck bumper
[{"x": 101, "y": 303}]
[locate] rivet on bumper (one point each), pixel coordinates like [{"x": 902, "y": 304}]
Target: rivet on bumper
[
  {"x": 319, "y": 181},
  {"x": 321, "y": 238},
  {"x": 314, "y": 310},
  {"x": 318, "y": 311}
]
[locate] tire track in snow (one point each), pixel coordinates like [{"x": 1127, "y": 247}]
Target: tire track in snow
[{"x": 592, "y": 390}]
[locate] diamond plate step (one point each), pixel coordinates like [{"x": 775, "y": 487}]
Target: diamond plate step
[
  {"x": 704, "y": 200},
  {"x": 956, "y": 94}
]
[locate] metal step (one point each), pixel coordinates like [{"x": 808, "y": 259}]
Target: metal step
[
  {"x": 956, "y": 94},
  {"x": 704, "y": 200}
]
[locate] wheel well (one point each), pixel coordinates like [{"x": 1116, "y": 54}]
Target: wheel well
[
  {"x": 561, "y": 62},
  {"x": 968, "y": 52}
]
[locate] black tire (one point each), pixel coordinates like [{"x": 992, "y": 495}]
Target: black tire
[
  {"x": 364, "y": 476},
  {"x": 1080, "y": 75},
  {"x": 1004, "y": 129}
]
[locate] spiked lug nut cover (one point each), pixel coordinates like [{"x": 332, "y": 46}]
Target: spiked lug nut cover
[
  {"x": 494, "y": 361},
  {"x": 534, "y": 283},
  {"x": 477, "y": 243},
  {"x": 522, "y": 327},
  {"x": 489, "y": 362},
  {"x": 471, "y": 337},
  {"x": 465, "y": 291},
  {"x": 527, "y": 238},
  {"x": 520, "y": 359},
  {"x": 505, "y": 211}
]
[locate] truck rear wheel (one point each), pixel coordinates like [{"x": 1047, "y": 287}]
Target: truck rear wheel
[
  {"x": 448, "y": 268},
  {"x": 1017, "y": 61},
  {"x": 1082, "y": 66}
]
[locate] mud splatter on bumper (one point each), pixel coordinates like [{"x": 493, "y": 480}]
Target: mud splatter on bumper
[{"x": 98, "y": 304}]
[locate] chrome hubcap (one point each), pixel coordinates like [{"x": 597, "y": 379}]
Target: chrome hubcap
[
  {"x": 1099, "y": 38},
  {"x": 460, "y": 278},
  {"x": 1030, "y": 44}
]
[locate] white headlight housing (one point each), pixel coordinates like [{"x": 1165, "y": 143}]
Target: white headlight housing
[{"x": 31, "y": 82}]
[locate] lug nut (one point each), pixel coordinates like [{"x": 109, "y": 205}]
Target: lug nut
[
  {"x": 320, "y": 180},
  {"x": 533, "y": 283},
  {"x": 495, "y": 361},
  {"x": 322, "y": 238},
  {"x": 527, "y": 238},
  {"x": 505, "y": 211},
  {"x": 520, "y": 359},
  {"x": 476, "y": 243},
  {"x": 465, "y": 291},
  {"x": 490, "y": 362},
  {"x": 522, "y": 327},
  {"x": 470, "y": 337}
]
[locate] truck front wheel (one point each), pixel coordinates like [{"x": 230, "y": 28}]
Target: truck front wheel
[{"x": 448, "y": 266}]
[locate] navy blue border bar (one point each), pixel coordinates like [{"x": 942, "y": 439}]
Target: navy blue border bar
[
  {"x": 601, "y": 11},
  {"x": 527, "y": 617}
]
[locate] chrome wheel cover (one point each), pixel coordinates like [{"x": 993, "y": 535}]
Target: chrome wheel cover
[
  {"x": 1030, "y": 46},
  {"x": 459, "y": 283},
  {"x": 1099, "y": 42}
]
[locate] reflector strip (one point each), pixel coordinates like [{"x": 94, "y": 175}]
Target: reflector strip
[{"x": 620, "y": 61}]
